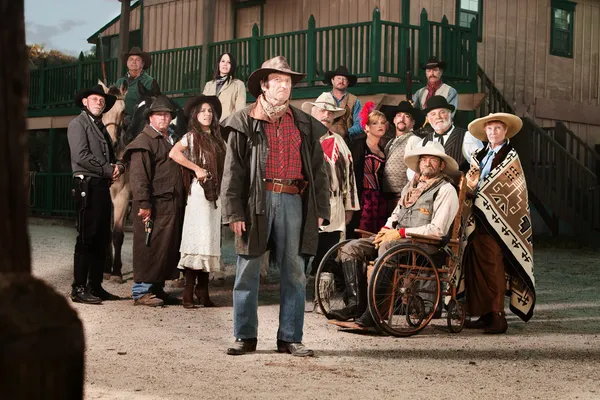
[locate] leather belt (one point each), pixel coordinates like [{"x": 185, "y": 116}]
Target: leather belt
[{"x": 287, "y": 186}]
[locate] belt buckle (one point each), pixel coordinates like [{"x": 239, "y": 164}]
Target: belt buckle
[{"x": 276, "y": 185}]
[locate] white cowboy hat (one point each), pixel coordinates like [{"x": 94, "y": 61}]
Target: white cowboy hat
[
  {"x": 431, "y": 148},
  {"x": 513, "y": 125},
  {"x": 326, "y": 102}
]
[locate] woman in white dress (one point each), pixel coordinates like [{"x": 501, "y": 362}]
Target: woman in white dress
[{"x": 202, "y": 153}]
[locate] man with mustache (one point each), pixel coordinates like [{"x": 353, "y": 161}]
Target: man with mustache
[
  {"x": 405, "y": 118},
  {"x": 458, "y": 143},
  {"x": 427, "y": 206},
  {"x": 348, "y": 125},
  {"x": 435, "y": 86},
  {"x": 343, "y": 194}
]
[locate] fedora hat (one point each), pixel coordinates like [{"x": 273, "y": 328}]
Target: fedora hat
[
  {"x": 433, "y": 62},
  {"x": 161, "y": 104},
  {"x": 512, "y": 122},
  {"x": 431, "y": 148},
  {"x": 274, "y": 65},
  {"x": 136, "y": 51},
  {"x": 438, "y": 102},
  {"x": 342, "y": 71},
  {"x": 406, "y": 107},
  {"x": 324, "y": 101},
  {"x": 198, "y": 100},
  {"x": 98, "y": 90}
]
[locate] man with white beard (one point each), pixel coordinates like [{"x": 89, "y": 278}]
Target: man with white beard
[{"x": 458, "y": 143}]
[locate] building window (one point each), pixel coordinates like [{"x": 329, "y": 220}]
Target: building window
[
  {"x": 466, "y": 11},
  {"x": 561, "y": 28}
]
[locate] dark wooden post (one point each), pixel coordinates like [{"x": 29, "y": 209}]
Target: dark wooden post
[
  {"x": 124, "y": 31},
  {"x": 375, "y": 46},
  {"x": 311, "y": 51},
  {"x": 208, "y": 37},
  {"x": 423, "y": 41},
  {"x": 41, "y": 338}
]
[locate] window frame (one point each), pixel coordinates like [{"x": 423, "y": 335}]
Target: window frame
[
  {"x": 478, "y": 16},
  {"x": 569, "y": 7}
]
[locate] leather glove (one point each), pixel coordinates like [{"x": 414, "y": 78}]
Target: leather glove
[{"x": 388, "y": 235}]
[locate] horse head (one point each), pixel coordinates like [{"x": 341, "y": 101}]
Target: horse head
[{"x": 113, "y": 118}]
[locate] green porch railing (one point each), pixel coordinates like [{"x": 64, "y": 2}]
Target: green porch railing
[
  {"x": 371, "y": 50},
  {"x": 50, "y": 193}
]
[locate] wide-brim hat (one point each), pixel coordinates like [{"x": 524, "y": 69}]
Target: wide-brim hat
[
  {"x": 326, "y": 102},
  {"x": 406, "y": 107},
  {"x": 431, "y": 148},
  {"x": 274, "y": 65},
  {"x": 343, "y": 71},
  {"x": 512, "y": 122},
  {"x": 438, "y": 102},
  {"x": 433, "y": 62},
  {"x": 161, "y": 104},
  {"x": 198, "y": 100},
  {"x": 98, "y": 90},
  {"x": 136, "y": 51}
]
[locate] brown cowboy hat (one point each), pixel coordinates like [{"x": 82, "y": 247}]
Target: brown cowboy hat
[
  {"x": 161, "y": 104},
  {"x": 512, "y": 122},
  {"x": 276, "y": 64},
  {"x": 198, "y": 100},
  {"x": 433, "y": 62},
  {"x": 98, "y": 90},
  {"x": 136, "y": 51},
  {"x": 406, "y": 107},
  {"x": 342, "y": 71}
]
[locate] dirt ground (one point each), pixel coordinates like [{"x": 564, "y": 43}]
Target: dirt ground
[{"x": 172, "y": 353}]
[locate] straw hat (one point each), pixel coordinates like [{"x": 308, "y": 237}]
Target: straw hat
[
  {"x": 326, "y": 102},
  {"x": 275, "y": 65},
  {"x": 512, "y": 122},
  {"x": 431, "y": 148}
]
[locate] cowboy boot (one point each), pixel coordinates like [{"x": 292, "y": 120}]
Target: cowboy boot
[
  {"x": 353, "y": 306},
  {"x": 201, "y": 290},
  {"x": 188, "y": 290},
  {"x": 498, "y": 324}
]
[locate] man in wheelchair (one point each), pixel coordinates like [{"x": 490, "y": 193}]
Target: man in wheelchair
[{"x": 427, "y": 206}]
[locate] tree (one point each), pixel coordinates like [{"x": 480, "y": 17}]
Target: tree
[{"x": 38, "y": 55}]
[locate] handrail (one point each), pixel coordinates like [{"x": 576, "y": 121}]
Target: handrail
[
  {"x": 576, "y": 146},
  {"x": 495, "y": 101}
]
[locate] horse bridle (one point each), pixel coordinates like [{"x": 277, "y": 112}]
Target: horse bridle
[{"x": 119, "y": 128}]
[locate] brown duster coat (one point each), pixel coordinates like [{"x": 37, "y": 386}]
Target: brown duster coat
[
  {"x": 156, "y": 183},
  {"x": 243, "y": 194}
]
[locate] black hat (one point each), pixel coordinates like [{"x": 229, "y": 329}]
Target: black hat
[
  {"x": 98, "y": 90},
  {"x": 437, "y": 102},
  {"x": 136, "y": 51},
  {"x": 161, "y": 104},
  {"x": 406, "y": 107},
  {"x": 433, "y": 62},
  {"x": 195, "y": 101},
  {"x": 343, "y": 71}
]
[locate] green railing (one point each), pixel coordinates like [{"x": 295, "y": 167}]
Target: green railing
[
  {"x": 50, "y": 193},
  {"x": 371, "y": 50}
]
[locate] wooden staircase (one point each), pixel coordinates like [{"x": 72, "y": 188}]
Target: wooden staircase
[{"x": 560, "y": 169}]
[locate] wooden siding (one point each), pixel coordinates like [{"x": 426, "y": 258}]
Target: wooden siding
[{"x": 134, "y": 24}]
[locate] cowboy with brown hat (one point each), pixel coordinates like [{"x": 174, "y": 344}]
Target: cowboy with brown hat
[
  {"x": 498, "y": 252},
  {"x": 275, "y": 191},
  {"x": 427, "y": 206},
  {"x": 458, "y": 142},
  {"x": 158, "y": 205},
  {"x": 138, "y": 62},
  {"x": 406, "y": 120},
  {"x": 435, "y": 87},
  {"x": 94, "y": 169},
  {"x": 341, "y": 79}
]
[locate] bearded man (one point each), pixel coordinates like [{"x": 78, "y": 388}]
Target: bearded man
[
  {"x": 348, "y": 125},
  {"x": 435, "y": 87},
  {"x": 275, "y": 193}
]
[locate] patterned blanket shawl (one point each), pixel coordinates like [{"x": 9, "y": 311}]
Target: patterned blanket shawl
[{"x": 502, "y": 205}]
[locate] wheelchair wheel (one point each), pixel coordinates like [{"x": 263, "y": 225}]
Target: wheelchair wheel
[
  {"x": 404, "y": 290},
  {"x": 456, "y": 316},
  {"x": 330, "y": 287}
]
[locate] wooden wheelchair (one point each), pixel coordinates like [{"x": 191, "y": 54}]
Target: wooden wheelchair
[{"x": 407, "y": 285}]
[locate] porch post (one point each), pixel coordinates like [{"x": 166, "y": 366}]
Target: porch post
[
  {"x": 124, "y": 31},
  {"x": 208, "y": 37}
]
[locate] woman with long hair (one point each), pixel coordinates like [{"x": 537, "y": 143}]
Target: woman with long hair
[
  {"x": 202, "y": 154},
  {"x": 230, "y": 91},
  {"x": 369, "y": 162}
]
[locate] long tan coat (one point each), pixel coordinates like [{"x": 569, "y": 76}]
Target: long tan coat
[
  {"x": 156, "y": 183},
  {"x": 232, "y": 95}
]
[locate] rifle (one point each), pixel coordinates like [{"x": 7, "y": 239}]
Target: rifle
[
  {"x": 408, "y": 77},
  {"x": 103, "y": 66}
]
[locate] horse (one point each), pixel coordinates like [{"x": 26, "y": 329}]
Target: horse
[{"x": 120, "y": 192}]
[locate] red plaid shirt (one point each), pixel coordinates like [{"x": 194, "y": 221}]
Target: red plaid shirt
[{"x": 284, "y": 160}]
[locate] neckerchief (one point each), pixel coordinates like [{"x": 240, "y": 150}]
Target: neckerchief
[
  {"x": 271, "y": 111},
  {"x": 417, "y": 188},
  {"x": 431, "y": 89}
]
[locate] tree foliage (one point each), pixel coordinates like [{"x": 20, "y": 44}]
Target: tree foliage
[{"x": 38, "y": 55}]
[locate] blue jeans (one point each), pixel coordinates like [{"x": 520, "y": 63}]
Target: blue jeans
[
  {"x": 141, "y": 288},
  {"x": 284, "y": 228}
]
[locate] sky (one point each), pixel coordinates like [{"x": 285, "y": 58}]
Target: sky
[{"x": 65, "y": 25}]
